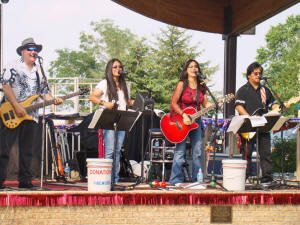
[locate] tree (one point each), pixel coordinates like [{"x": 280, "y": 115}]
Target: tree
[
  {"x": 169, "y": 54},
  {"x": 96, "y": 49},
  {"x": 281, "y": 56},
  {"x": 289, "y": 155},
  {"x": 74, "y": 64},
  {"x": 155, "y": 66},
  {"x": 108, "y": 41}
]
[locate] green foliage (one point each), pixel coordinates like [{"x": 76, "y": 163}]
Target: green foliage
[
  {"x": 108, "y": 41},
  {"x": 168, "y": 56},
  {"x": 281, "y": 58},
  {"x": 289, "y": 156},
  {"x": 74, "y": 64}
]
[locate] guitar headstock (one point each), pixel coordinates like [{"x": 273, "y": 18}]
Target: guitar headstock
[
  {"x": 294, "y": 100},
  {"x": 83, "y": 90},
  {"x": 227, "y": 98}
]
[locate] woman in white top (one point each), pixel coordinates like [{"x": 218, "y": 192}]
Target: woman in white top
[{"x": 112, "y": 93}]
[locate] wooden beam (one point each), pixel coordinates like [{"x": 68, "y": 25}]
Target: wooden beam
[
  {"x": 247, "y": 14},
  {"x": 207, "y": 15}
]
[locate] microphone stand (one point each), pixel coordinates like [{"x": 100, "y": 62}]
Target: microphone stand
[
  {"x": 43, "y": 127},
  {"x": 213, "y": 180},
  {"x": 283, "y": 182},
  {"x": 282, "y": 106},
  {"x": 150, "y": 91}
]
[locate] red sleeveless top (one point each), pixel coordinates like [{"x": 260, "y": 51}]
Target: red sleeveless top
[{"x": 189, "y": 99}]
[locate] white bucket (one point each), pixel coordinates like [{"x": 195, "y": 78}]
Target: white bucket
[
  {"x": 234, "y": 174},
  {"x": 99, "y": 174}
]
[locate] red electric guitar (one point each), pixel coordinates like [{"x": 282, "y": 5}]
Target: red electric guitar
[{"x": 176, "y": 131}]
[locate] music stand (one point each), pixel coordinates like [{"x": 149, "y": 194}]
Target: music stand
[
  {"x": 114, "y": 120},
  {"x": 244, "y": 125}
]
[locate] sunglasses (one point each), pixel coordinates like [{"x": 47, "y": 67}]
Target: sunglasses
[
  {"x": 191, "y": 67},
  {"x": 115, "y": 67},
  {"x": 30, "y": 49}
]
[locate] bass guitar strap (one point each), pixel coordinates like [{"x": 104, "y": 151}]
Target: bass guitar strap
[{"x": 38, "y": 81}]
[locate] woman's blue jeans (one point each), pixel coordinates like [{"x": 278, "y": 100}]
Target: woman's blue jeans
[
  {"x": 177, "y": 175},
  {"x": 108, "y": 136}
]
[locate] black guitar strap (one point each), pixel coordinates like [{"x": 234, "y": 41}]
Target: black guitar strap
[
  {"x": 38, "y": 82},
  {"x": 198, "y": 95}
]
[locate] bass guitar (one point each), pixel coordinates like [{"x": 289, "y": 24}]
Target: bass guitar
[
  {"x": 176, "y": 131},
  {"x": 10, "y": 118}
]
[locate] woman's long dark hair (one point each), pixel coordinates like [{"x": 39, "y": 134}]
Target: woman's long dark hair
[
  {"x": 184, "y": 75},
  {"x": 111, "y": 85}
]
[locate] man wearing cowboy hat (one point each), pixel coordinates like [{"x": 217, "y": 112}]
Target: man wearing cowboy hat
[{"x": 20, "y": 80}]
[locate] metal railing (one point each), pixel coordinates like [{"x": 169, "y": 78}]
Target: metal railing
[{"x": 64, "y": 86}]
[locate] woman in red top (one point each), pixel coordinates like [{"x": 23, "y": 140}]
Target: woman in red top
[{"x": 185, "y": 95}]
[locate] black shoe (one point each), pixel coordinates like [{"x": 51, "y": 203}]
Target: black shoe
[
  {"x": 266, "y": 180},
  {"x": 27, "y": 185},
  {"x": 2, "y": 186}
]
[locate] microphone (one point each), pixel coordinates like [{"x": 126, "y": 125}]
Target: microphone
[
  {"x": 121, "y": 72},
  {"x": 37, "y": 56},
  {"x": 265, "y": 78},
  {"x": 198, "y": 74}
]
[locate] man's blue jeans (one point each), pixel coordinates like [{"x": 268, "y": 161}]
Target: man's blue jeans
[
  {"x": 179, "y": 154},
  {"x": 108, "y": 136}
]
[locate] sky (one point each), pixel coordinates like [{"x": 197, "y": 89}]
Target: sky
[{"x": 56, "y": 24}]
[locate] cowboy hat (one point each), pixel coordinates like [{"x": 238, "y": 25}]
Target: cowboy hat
[{"x": 28, "y": 42}]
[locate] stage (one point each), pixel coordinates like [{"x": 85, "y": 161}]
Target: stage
[{"x": 71, "y": 203}]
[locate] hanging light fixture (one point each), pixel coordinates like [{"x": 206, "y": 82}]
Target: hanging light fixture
[{"x": 4, "y": 1}]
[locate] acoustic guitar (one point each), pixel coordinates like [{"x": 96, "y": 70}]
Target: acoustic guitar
[
  {"x": 10, "y": 118},
  {"x": 176, "y": 131}
]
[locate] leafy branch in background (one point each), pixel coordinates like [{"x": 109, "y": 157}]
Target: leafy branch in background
[
  {"x": 289, "y": 155},
  {"x": 280, "y": 58}
]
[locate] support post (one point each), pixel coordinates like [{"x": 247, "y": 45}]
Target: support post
[{"x": 229, "y": 60}]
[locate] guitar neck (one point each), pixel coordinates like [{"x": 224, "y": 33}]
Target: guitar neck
[
  {"x": 49, "y": 102},
  {"x": 201, "y": 112}
]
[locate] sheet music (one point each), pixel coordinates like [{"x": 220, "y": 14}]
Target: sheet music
[
  {"x": 258, "y": 121},
  {"x": 95, "y": 119},
  {"x": 236, "y": 123},
  {"x": 136, "y": 119},
  {"x": 279, "y": 123},
  {"x": 271, "y": 113}
]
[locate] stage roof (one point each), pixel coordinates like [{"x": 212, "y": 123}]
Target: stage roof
[{"x": 209, "y": 15}]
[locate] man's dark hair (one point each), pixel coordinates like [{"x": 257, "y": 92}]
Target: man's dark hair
[{"x": 252, "y": 67}]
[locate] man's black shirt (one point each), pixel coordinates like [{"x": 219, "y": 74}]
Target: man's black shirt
[{"x": 251, "y": 100}]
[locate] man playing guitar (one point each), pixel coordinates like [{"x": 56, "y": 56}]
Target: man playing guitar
[
  {"x": 20, "y": 80},
  {"x": 255, "y": 99}
]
